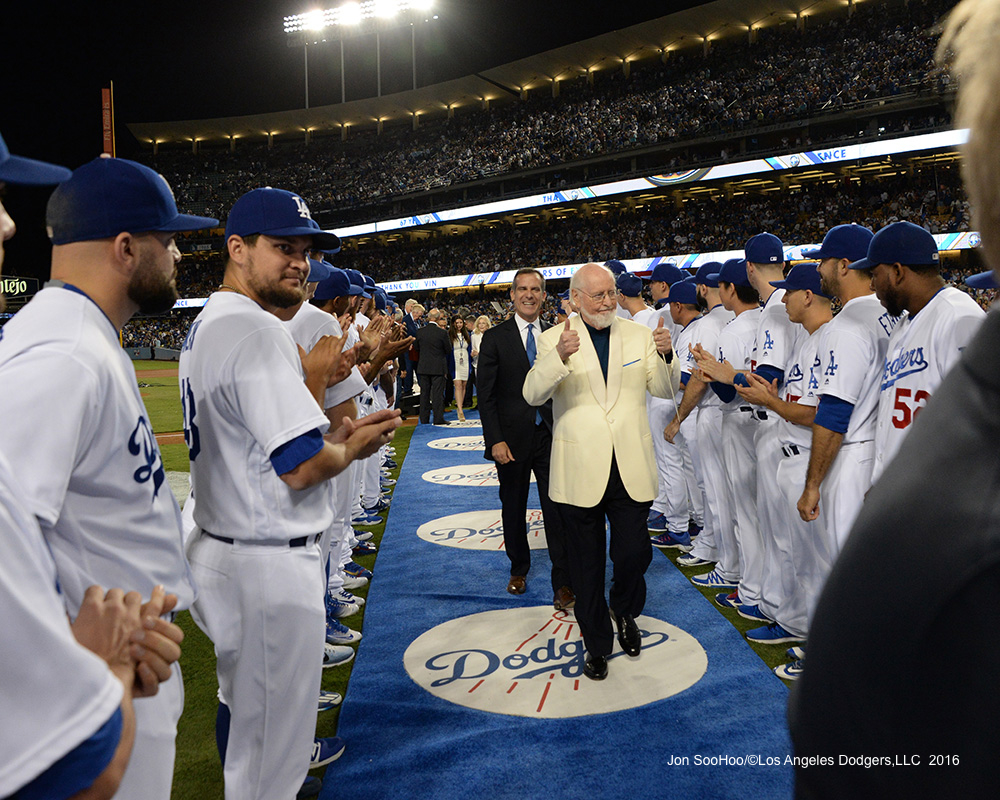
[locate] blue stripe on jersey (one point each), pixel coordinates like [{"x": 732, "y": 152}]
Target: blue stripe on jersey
[
  {"x": 79, "y": 768},
  {"x": 288, "y": 456},
  {"x": 833, "y": 413}
]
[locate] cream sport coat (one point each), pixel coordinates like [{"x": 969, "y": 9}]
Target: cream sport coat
[{"x": 592, "y": 420}]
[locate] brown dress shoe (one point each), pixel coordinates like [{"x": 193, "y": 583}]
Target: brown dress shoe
[
  {"x": 517, "y": 584},
  {"x": 564, "y": 598}
]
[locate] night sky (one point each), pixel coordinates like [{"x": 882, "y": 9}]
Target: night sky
[{"x": 194, "y": 60}]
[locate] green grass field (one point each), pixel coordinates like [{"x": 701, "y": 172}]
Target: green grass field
[{"x": 197, "y": 772}]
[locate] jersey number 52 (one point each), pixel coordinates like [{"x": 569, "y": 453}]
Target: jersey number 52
[{"x": 907, "y": 405}]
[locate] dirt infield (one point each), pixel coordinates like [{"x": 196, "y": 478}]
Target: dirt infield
[
  {"x": 175, "y": 437},
  {"x": 157, "y": 373}
]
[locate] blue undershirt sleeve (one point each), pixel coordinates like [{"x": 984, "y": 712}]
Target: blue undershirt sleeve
[
  {"x": 769, "y": 373},
  {"x": 80, "y": 767},
  {"x": 288, "y": 456},
  {"x": 685, "y": 377},
  {"x": 741, "y": 380},
  {"x": 724, "y": 391},
  {"x": 833, "y": 413}
]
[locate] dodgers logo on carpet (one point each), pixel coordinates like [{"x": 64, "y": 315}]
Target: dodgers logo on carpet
[
  {"x": 475, "y": 443},
  {"x": 465, "y": 475},
  {"x": 479, "y": 530},
  {"x": 528, "y": 662}
]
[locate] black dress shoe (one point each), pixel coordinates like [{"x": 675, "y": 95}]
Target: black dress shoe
[
  {"x": 595, "y": 667},
  {"x": 628, "y": 634}
]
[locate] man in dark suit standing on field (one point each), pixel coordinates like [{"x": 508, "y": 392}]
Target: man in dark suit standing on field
[
  {"x": 433, "y": 346},
  {"x": 518, "y": 436}
]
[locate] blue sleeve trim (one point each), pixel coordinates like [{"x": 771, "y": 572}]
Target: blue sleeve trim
[
  {"x": 725, "y": 392},
  {"x": 834, "y": 414},
  {"x": 769, "y": 373},
  {"x": 741, "y": 380},
  {"x": 288, "y": 456},
  {"x": 685, "y": 377},
  {"x": 79, "y": 768}
]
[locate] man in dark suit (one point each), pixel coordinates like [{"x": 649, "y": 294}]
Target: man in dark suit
[
  {"x": 414, "y": 311},
  {"x": 518, "y": 436},
  {"x": 433, "y": 346}
]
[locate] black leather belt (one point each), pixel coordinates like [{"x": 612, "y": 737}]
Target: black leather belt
[
  {"x": 790, "y": 450},
  {"x": 299, "y": 541}
]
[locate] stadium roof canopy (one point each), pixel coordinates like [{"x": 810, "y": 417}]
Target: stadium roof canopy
[{"x": 695, "y": 27}]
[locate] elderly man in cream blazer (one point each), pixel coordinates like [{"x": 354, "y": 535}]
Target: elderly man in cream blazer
[{"x": 597, "y": 368}]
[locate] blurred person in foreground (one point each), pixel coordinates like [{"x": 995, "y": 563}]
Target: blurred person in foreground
[{"x": 899, "y": 690}]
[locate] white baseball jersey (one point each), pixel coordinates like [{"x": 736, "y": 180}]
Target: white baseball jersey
[
  {"x": 777, "y": 336},
  {"x": 710, "y": 326},
  {"x": 78, "y": 438},
  {"x": 802, "y": 382},
  {"x": 736, "y": 345},
  {"x": 55, "y": 694},
  {"x": 921, "y": 350},
  {"x": 307, "y": 327},
  {"x": 852, "y": 352},
  {"x": 244, "y": 395}
]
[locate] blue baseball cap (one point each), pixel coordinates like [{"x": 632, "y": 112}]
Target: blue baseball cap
[
  {"x": 564, "y": 295},
  {"x": 802, "y": 276},
  {"x": 900, "y": 243},
  {"x": 275, "y": 212},
  {"x": 617, "y": 267},
  {"x": 358, "y": 280},
  {"x": 381, "y": 301},
  {"x": 336, "y": 284},
  {"x": 318, "y": 270},
  {"x": 108, "y": 196},
  {"x": 843, "y": 241},
  {"x": 982, "y": 280},
  {"x": 684, "y": 292},
  {"x": 734, "y": 271},
  {"x": 21, "y": 171},
  {"x": 764, "y": 248},
  {"x": 667, "y": 273},
  {"x": 629, "y": 284},
  {"x": 708, "y": 274},
  {"x": 369, "y": 284}
]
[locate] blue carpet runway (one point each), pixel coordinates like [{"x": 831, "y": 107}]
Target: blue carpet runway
[{"x": 461, "y": 690}]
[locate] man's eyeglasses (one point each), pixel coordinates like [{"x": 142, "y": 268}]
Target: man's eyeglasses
[{"x": 601, "y": 296}]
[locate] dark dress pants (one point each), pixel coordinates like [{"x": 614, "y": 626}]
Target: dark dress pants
[
  {"x": 515, "y": 482},
  {"x": 431, "y": 397},
  {"x": 631, "y": 554}
]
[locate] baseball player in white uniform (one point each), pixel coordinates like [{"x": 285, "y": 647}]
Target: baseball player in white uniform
[
  {"x": 799, "y": 557},
  {"x": 91, "y": 473},
  {"x": 777, "y": 339},
  {"x": 935, "y": 323},
  {"x": 738, "y": 507},
  {"x": 672, "y": 508},
  {"x": 706, "y": 409},
  {"x": 843, "y": 444},
  {"x": 80, "y": 737},
  {"x": 260, "y": 463}
]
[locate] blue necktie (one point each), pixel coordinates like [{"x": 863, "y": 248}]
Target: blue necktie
[{"x": 532, "y": 351}]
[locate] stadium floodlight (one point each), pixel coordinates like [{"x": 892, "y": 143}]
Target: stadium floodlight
[
  {"x": 353, "y": 18},
  {"x": 385, "y": 9},
  {"x": 349, "y": 14}
]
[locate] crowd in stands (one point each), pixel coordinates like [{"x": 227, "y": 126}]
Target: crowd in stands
[{"x": 881, "y": 51}]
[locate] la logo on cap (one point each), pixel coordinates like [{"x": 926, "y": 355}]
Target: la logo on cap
[{"x": 303, "y": 208}]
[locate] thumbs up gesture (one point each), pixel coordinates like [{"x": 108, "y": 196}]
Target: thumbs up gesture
[
  {"x": 569, "y": 342},
  {"x": 661, "y": 338}
]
